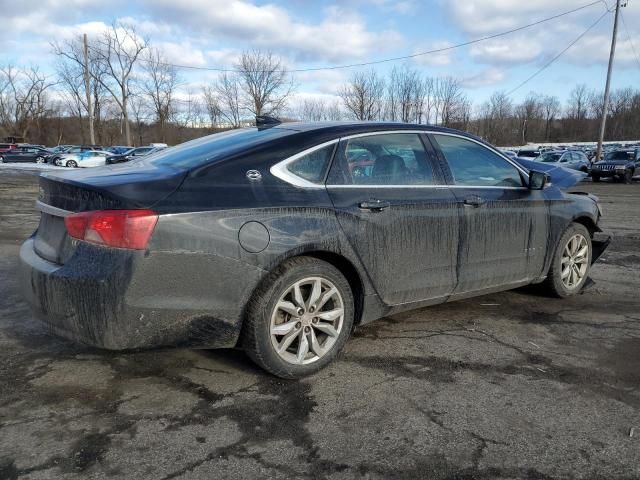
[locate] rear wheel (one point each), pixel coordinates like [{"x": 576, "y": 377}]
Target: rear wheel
[
  {"x": 72, "y": 164},
  {"x": 299, "y": 319},
  {"x": 571, "y": 262}
]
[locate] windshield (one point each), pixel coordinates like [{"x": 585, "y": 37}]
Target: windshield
[
  {"x": 617, "y": 156},
  {"x": 203, "y": 150},
  {"x": 549, "y": 157}
]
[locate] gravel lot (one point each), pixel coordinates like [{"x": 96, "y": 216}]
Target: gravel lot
[{"x": 511, "y": 385}]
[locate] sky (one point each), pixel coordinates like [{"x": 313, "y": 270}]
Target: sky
[{"x": 212, "y": 33}]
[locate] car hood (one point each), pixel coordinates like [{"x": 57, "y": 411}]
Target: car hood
[{"x": 560, "y": 177}]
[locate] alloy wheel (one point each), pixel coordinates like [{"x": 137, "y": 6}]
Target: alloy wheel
[
  {"x": 307, "y": 320},
  {"x": 574, "y": 262},
  {"x": 39, "y": 160}
]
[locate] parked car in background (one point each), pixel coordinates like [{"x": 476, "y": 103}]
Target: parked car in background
[
  {"x": 619, "y": 165},
  {"x": 510, "y": 153},
  {"x": 118, "y": 149},
  {"x": 5, "y": 147},
  {"x": 527, "y": 153},
  {"x": 24, "y": 154},
  {"x": 566, "y": 158},
  {"x": 266, "y": 239},
  {"x": 71, "y": 153},
  {"x": 132, "y": 154},
  {"x": 90, "y": 158}
]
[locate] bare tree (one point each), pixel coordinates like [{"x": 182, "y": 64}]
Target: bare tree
[
  {"x": 405, "y": 95},
  {"x": 448, "y": 99},
  {"x": 528, "y": 113},
  {"x": 119, "y": 50},
  {"x": 23, "y": 99},
  {"x": 212, "y": 105},
  {"x": 73, "y": 91},
  {"x": 228, "y": 90},
  {"x": 159, "y": 85},
  {"x": 363, "y": 96},
  {"x": 265, "y": 82},
  {"x": 550, "y": 110}
]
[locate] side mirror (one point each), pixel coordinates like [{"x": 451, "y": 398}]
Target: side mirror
[{"x": 538, "y": 180}]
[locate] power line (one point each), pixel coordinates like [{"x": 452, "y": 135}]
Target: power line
[
  {"x": 635, "y": 53},
  {"x": 550, "y": 62},
  {"x": 404, "y": 57}
]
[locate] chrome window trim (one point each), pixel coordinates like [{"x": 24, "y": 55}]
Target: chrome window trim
[
  {"x": 51, "y": 210},
  {"x": 281, "y": 171},
  {"x": 475, "y": 187}
]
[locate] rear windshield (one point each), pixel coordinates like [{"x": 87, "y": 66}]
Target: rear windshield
[
  {"x": 619, "y": 156},
  {"x": 213, "y": 147},
  {"x": 528, "y": 153}
]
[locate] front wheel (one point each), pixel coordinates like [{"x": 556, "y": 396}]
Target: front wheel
[
  {"x": 571, "y": 262},
  {"x": 595, "y": 178},
  {"x": 628, "y": 177},
  {"x": 39, "y": 159},
  {"x": 72, "y": 164},
  {"x": 299, "y": 319},
  {"x": 1, "y": 159}
]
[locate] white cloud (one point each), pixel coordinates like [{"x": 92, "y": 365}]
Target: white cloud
[
  {"x": 485, "y": 78},
  {"x": 338, "y": 36},
  {"x": 490, "y": 16},
  {"x": 438, "y": 59},
  {"x": 507, "y": 50}
]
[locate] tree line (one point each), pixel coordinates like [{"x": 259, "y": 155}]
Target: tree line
[{"x": 117, "y": 88}]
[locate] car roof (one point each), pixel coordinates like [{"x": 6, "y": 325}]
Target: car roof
[{"x": 355, "y": 127}]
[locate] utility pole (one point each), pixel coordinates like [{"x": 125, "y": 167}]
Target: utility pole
[
  {"x": 87, "y": 89},
  {"x": 603, "y": 122}
]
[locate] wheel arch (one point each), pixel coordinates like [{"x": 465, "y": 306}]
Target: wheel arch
[{"x": 588, "y": 223}]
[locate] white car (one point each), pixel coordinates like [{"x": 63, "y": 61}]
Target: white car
[{"x": 92, "y": 158}]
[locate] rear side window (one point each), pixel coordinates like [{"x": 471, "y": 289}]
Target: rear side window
[
  {"x": 472, "y": 164},
  {"x": 386, "y": 159},
  {"x": 208, "y": 149},
  {"x": 313, "y": 166}
]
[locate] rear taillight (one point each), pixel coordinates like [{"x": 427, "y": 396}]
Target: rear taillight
[{"x": 114, "y": 228}]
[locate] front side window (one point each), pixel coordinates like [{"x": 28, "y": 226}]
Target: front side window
[
  {"x": 387, "y": 159},
  {"x": 313, "y": 166},
  {"x": 472, "y": 164}
]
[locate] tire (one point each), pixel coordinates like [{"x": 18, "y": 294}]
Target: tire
[
  {"x": 595, "y": 178},
  {"x": 293, "y": 360},
  {"x": 555, "y": 283},
  {"x": 40, "y": 160},
  {"x": 628, "y": 177},
  {"x": 1, "y": 159},
  {"x": 71, "y": 164}
]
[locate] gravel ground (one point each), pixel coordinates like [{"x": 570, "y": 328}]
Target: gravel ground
[{"x": 511, "y": 385}]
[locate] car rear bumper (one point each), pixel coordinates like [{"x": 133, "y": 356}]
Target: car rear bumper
[
  {"x": 607, "y": 173},
  {"x": 119, "y": 299}
]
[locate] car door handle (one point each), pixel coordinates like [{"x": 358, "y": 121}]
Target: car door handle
[
  {"x": 474, "y": 201},
  {"x": 374, "y": 205}
]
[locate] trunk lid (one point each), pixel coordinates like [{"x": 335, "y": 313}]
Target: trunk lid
[{"x": 135, "y": 185}]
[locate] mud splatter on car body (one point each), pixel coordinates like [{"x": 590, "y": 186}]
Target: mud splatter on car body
[{"x": 191, "y": 283}]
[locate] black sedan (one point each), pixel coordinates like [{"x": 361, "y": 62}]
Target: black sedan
[
  {"x": 25, "y": 153},
  {"x": 619, "y": 165},
  {"x": 131, "y": 154},
  {"x": 267, "y": 239}
]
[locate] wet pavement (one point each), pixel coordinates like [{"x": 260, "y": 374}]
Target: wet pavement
[{"x": 510, "y": 385}]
